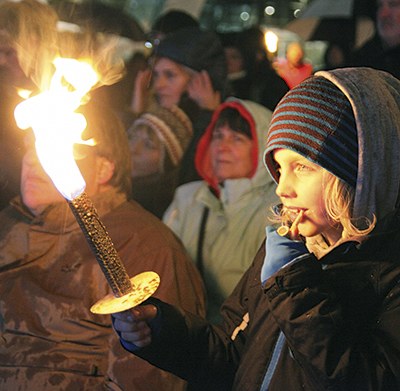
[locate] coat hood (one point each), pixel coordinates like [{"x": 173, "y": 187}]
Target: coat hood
[
  {"x": 258, "y": 118},
  {"x": 375, "y": 99}
]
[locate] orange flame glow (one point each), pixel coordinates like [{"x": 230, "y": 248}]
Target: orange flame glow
[{"x": 56, "y": 125}]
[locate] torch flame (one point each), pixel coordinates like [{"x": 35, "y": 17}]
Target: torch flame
[{"x": 56, "y": 125}]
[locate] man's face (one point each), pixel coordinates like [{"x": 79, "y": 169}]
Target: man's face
[
  {"x": 37, "y": 189},
  {"x": 388, "y": 21}
]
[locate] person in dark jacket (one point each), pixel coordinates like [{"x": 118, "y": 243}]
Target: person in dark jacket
[
  {"x": 319, "y": 309},
  {"x": 251, "y": 75},
  {"x": 382, "y": 51}
]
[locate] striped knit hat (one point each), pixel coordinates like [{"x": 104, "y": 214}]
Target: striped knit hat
[
  {"x": 315, "y": 119},
  {"x": 172, "y": 126}
]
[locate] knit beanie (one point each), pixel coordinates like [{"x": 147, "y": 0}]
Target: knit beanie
[
  {"x": 172, "y": 126},
  {"x": 198, "y": 50},
  {"x": 315, "y": 119}
]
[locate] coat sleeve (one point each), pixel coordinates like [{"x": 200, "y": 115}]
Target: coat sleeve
[
  {"x": 128, "y": 372},
  {"x": 339, "y": 346},
  {"x": 190, "y": 347}
]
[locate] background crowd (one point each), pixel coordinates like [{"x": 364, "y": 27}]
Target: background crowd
[{"x": 177, "y": 175}]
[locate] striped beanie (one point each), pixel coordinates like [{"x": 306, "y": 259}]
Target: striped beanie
[
  {"x": 171, "y": 125},
  {"x": 315, "y": 119}
]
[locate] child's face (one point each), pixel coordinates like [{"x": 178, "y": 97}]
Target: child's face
[
  {"x": 231, "y": 154},
  {"x": 146, "y": 152},
  {"x": 301, "y": 187}
]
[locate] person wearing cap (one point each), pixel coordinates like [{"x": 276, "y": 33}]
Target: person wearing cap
[
  {"x": 157, "y": 140},
  {"x": 188, "y": 69},
  {"x": 382, "y": 50},
  {"x": 220, "y": 219},
  {"x": 319, "y": 309}
]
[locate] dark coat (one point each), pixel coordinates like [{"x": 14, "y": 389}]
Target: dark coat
[
  {"x": 374, "y": 55},
  {"x": 340, "y": 316}
]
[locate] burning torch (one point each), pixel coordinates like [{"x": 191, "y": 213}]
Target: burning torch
[{"x": 57, "y": 127}]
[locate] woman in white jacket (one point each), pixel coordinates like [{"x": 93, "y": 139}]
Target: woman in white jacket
[{"x": 221, "y": 219}]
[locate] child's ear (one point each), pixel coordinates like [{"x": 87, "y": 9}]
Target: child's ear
[{"x": 105, "y": 170}]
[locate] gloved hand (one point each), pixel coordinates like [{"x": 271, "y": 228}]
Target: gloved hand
[{"x": 279, "y": 251}]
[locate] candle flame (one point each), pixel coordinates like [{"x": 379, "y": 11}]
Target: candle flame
[
  {"x": 271, "y": 41},
  {"x": 56, "y": 124}
]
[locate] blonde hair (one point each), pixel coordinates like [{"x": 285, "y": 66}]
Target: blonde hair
[{"x": 339, "y": 201}]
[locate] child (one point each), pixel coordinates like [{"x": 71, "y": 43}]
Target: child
[
  {"x": 328, "y": 315},
  {"x": 158, "y": 139}
]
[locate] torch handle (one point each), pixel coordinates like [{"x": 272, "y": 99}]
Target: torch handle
[{"x": 101, "y": 244}]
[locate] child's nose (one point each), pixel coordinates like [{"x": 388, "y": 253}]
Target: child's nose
[{"x": 285, "y": 188}]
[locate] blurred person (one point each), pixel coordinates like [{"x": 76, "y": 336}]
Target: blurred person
[
  {"x": 336, "y": 55},
  {"x": 293, "y": 68},
  {"x": 221, "y": 218},
  {"x": 158, "y": 139},
  {"x": 187, "y": 69},
  {"x": 318, "y": 310},
  {"x": 49, "y": 276},
  {"x": 261, "y": 84},
  {"x": 235, "y": 65},
  {"x": 383, "y": 50},
  {"x": 250, "y": 73},
  {"x": 27, "y": 41}
]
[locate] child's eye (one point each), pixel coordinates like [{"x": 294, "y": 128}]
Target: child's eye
[{"x": 303, "y": 168}]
